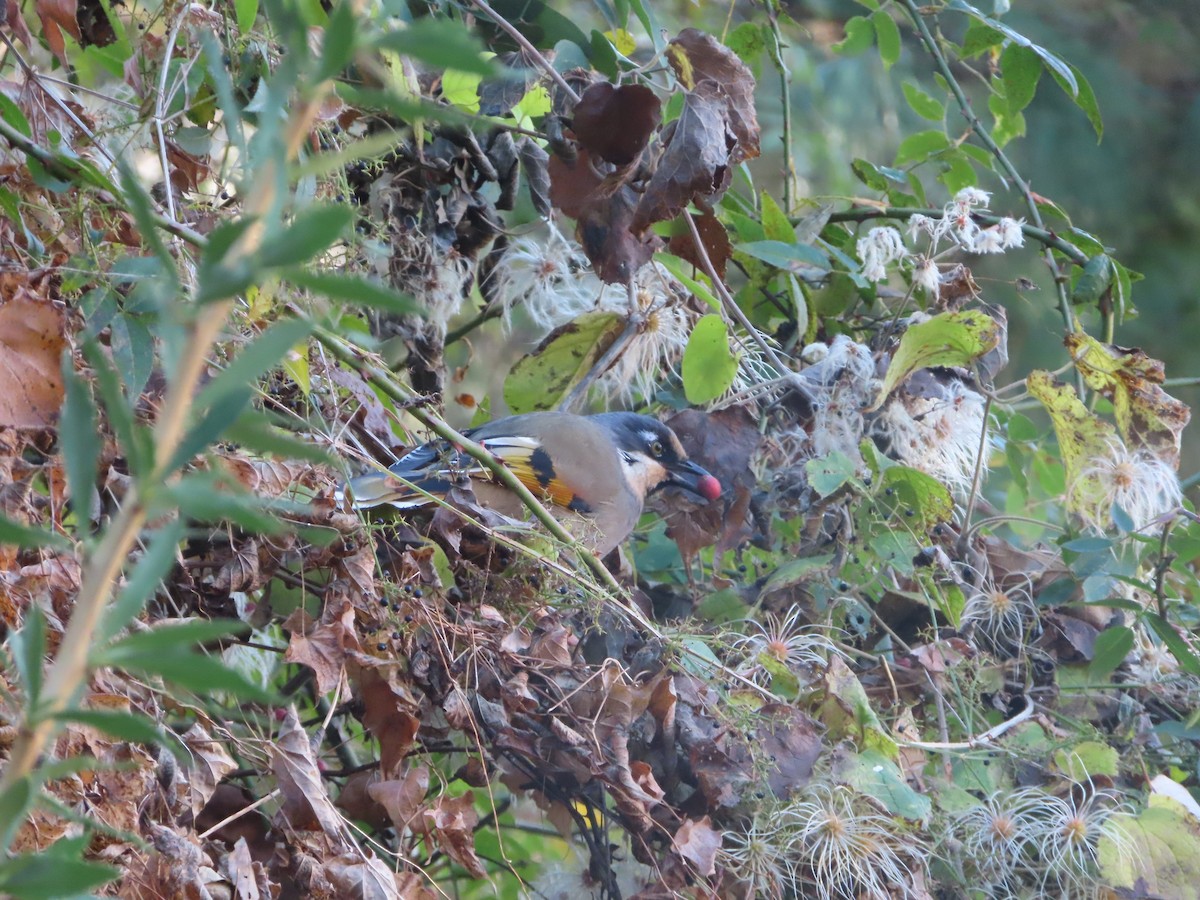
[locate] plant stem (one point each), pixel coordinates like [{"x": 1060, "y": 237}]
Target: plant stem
[
  {"x": 985, "y": 137},
  {"x": 1040, "y": 234}
]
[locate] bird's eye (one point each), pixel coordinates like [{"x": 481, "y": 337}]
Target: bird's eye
[{"x": 656, "y": 449}]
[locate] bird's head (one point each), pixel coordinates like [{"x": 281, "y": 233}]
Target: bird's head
[{"x": 653, "y": 458}]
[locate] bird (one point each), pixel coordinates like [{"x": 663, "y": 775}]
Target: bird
[{"x": 594, "y": 471}]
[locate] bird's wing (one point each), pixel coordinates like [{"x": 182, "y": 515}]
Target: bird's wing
[
  {"x": 527, "y": 459},
  {"x": 434, "y": 468}
]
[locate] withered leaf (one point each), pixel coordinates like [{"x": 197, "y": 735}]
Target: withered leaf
[
  {"x": 31, "y": 342},
  {"x": 403, "y": 798},
  {"x": 324, "y": 647},
  {"x": 362, "y": 877},
  {"x": 698, "y": 58},
  {"x": 714, "y": 237},
  {"x": 305, "y": 803},
  {"x": 696, "y": 164},
  {"x": 389, "y": 712},
  {"x": 615, "y": 123},
  {"x": 452, "y": 821},
  {"x": 698, "y": 843}
]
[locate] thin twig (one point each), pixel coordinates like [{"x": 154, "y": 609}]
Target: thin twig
[
  {"x": 1040, "y": 234},
  {"x": 727, "y": 299},
  {"x": 531, "y": 51},
  {"x": 986, "y": 737},
  {"x": 985, "y": 137}
]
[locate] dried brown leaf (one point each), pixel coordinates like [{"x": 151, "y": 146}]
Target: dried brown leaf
[
  {"x": 362, "y": 878},
  {"x": 403, "y": 798},
  {"x": 58, "y": 16},
  {"x": 615, "y": 123},
  {"x": 31, "y": 343},
  {"x": 698, "y": 843},
  {"x": 305, "y": 804},
  {"x": 452, "y": 821},
  {"x": 324, "y": 648},
  {"x": 698, "y": 59}
]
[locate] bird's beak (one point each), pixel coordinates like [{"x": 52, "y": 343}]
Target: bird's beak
[{"x": 694, "y": 478}]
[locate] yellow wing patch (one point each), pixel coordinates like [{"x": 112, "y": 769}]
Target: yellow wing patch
[{"x": 533, "y": 468}]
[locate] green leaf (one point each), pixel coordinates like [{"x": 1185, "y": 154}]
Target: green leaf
[
  {"x": 353, "y": 289},
  {"x": 219, "y": 416},
  {"x": 924, "y": 105},
  {"x": 141, "y": 206},
  {"x": 147, "y": 574},
  {"x": 1094, "y": 280},
  {"x": 544, "y": 377},
  {"x": 978, "y": 38},
  {"x": 1087, "y": 759},
  {"x": 440, "y": 44},
  {"x": 1052, "y": 62},
  {"x": 887, "y": 35},
  {"x": 878, "y": 178},
  {"x": 1022, "y": 68},
  {"x": 338, "y": 42},
  {"x": 50, "y": 875},
  {"x": 920, "y": 146},
  {"x": 11, "y": 113},
  {"x": 947, "y": 339},
  {"x": 311, "y": 232},
  {"x": 259, "y": 433},
  {"x": 256, "y": 359},
  {"x": 775, "y": 223},
  {"x": 860, "y": 34},
  {"x": 916, "y": 497},
  {"x": 1112, "y": 646},
  {"x": 709, "y": 365},
  {"x": 133, "y": 349},
  {"x": 31, "y": 538},
  {"x": 14, "y": 804},
  {"x": 828, "y": 473},
  {"x": 874, "y": 774},
  {"x": 28, "y": 649},
  {"x": 789, "y": 257},
  {"x": 207, "y": 498},
  {"x": 120, "y": 415},
  {"x": 1084, "y": 97},
  {"x": 1179, "y": 648},
  {"x": 126, "y": 726},
  {"x": 246, "y": 12},
  {"x": 77, "y": 440}
]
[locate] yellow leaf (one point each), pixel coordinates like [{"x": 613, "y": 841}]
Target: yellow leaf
[{"x": 622, "y": 40}]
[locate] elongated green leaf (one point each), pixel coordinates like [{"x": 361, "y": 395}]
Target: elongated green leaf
[
  {"x": 1022, "y": 69},
  {"x": 255, "y": 360},
  {"x": 1084, "y": 97},
  {"x": 50, "y": 876},
  {"x": 1052, "y": 62},
  {"x": 219, "y": 416},
  {"x": 709, "y": 365},
  {"x": 19, "y": 535},
  {"x": 338, "y": 42},
  {"x": 14, "y": 804},
  {"x": 78, "y": 443},
  {"x": 887, "y": 36},
  {"x": 1112, "y": 646},
  {"x": 353, "y": 289},
  {"x": 1179, "y": 648},
  {"x": 256, "y": 431},
  {"x": 123, "y": 725},
  {"x": 28, "y": 648},
  {"x": 790, "y": 257},
  {"x": 441, "y": 44},
  {"x": 775, "y": 223},
  {"x": 544, "y": 377},
  {"x": 313, "y": 231},
  {"x": 145, "y": 578},
  {"x": 920, "y": 146},
  {"x": 141, "y": 206},
  {"x": 117, "y": 408},
  {"x": 207, "y": 498}
]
